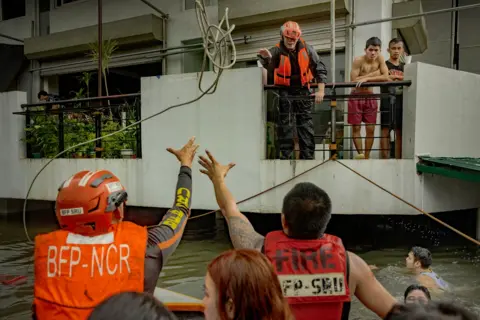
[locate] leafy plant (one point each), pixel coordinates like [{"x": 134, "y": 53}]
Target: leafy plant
[
  {"x": 85, "y": 79},
  {"x": 42, "y": 135},
  {"x": 108, "y": 48}
]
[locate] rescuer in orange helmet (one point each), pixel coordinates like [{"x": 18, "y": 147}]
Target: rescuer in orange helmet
[
  {"x": 96, "y": 254},
  {"x": 292, "y": 65}
]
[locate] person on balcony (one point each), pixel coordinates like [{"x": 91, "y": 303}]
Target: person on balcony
[
  {"x": 293, "y": 64},
  {"x": 96, "y": 254},
  {"x": 46, "y": 97},
  {"x": 317, "y": 274},
  {"x": 391, "y": 117},
  {"x": 370, "y": 67}
]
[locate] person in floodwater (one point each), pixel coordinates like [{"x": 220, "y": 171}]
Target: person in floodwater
[
  {"x": 131, "y": 306},
  {"x": 316, "y": 273},
  {"x": 242, "y": 285},
  {"x": 430, "y": 311},
  {"x": 96, "y": 253},
  {"x": 417, "y": 294},
  {"x": 419, "y": 261}
]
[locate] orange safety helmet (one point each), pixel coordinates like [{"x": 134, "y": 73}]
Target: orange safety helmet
[
  {"x": 291, "y": 29},
  {"x": 87, "y": 201}
]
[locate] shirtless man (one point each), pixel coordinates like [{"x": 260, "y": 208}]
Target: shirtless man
[
  {"x": 305, "y": 215},
  {"x": 370, "y": 67}
]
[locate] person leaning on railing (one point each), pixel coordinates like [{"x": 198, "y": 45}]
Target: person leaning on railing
[
  {"x": 45, "y": 96},
  {"x": 294, "y": 64},
  {"x": 96, "y": 254}
]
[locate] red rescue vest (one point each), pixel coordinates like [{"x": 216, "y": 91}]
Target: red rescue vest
[
  {"x": 283, "y": 72},
  {"x": 313, "y": 274},
  {"x": 74, "y": 273}
]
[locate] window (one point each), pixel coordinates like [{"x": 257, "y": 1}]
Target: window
[
  {"x": 12, "y": 9},
  {"x": 44, "y": 5},
  {"x": 190, "y": 4},
  {"x": 60, "y": 3}
]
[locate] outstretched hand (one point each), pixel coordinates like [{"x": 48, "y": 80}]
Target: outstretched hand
[
  {"x": 213, "y": 169},
  {"x": 187, "y": 153}
]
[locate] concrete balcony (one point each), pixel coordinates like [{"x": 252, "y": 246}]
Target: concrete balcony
[
  {"x": 232, "y": 124},
  {"x": 142, "y": 29},
  {"x": 256, "y": 13}
]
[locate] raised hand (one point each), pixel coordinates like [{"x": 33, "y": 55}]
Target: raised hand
[
  {"x": 265, "y": 53},
  {"x": 187, "y": 153},
  {"x": 213, "y": 169}
]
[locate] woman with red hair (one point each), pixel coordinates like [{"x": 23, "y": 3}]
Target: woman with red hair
[{"x": 242, "y": 284}]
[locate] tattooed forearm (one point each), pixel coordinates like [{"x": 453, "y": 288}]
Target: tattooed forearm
[{"x": 243, "y": 235}]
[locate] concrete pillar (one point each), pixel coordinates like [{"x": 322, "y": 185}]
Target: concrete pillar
[{"x": 366, "y": 10}]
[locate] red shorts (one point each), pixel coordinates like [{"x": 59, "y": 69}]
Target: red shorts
[{"x": 362, "y": 109}]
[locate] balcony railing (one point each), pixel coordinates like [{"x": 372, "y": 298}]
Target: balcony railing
[
  {"x": 284, "y": 110},
  {"x": 52, "y": 127}
]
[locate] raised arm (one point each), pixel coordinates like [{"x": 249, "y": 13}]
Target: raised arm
[
  {"x": 168, "y": 233},
  {"x": 368, "y": 290},
  {"x": 164, "y": 238},
  {"x": 241, "y": 231},
  {"x": 269, "y": 60}
]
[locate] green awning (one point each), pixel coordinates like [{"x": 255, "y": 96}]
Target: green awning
[{"x": 467, "y": 169}]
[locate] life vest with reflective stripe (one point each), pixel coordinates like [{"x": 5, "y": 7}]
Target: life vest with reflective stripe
[
  {"x": 313, "y": 275},
  {"x": 74, "y": 273},
  {"x": 283, "y": 73}
]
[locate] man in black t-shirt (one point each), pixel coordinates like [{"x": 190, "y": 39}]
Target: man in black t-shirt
[{"x": 391, "y": 111}]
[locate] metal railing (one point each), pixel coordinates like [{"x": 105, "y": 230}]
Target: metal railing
[
  {"x": 287, "y": 107},
  {"x": 52, "y": 127}
]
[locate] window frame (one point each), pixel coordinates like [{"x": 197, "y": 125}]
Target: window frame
[{"x": 55, "y": 5}]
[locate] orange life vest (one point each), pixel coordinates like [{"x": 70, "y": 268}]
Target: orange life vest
[
  {"x": 283, "y": 72},
  {"x": 74, "y": 273},
  {"x": 313, "y": 275}
]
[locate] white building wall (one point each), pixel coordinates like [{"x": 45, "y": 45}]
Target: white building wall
[{"x": 230, "y": 123}]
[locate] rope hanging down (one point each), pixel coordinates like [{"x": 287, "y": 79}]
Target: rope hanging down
[{"x": 216, "y": 43}]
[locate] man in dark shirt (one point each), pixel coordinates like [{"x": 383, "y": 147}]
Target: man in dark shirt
[
  {"x": 294, "y": 64},
  {"x": 391, "y": 116}
]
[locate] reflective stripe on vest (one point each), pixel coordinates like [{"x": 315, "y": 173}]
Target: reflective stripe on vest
[
  {"x": 312, "y": 274},
  {"x": 74, "y": 273},
  {"x": 283, "y": 72}
]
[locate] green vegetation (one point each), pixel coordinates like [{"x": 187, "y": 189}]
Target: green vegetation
[{"x": 43, "y": 132}]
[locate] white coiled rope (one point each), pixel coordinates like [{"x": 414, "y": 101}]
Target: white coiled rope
[{"x": 216, "y": 42}]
